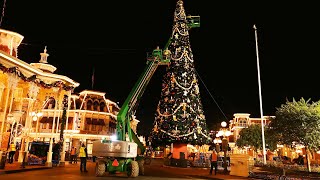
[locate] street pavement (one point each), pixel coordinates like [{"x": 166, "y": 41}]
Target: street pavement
[{"x": 155, "y": 171}]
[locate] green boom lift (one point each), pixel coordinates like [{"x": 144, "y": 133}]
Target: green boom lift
[{"x": 127, "y": 152}]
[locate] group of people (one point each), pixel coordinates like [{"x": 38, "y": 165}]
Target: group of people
[{"x": 83, "y": 154}]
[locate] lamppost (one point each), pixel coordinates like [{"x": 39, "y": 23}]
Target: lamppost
[
  {"x": 35, "y": 117},
  {"x": 217, "y": 141},
  {"x": 11, "y": 120},
  {"x": 225, "y": 133}
]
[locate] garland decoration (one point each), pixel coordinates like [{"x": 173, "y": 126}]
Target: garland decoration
[{"x": 33, "y": 78}]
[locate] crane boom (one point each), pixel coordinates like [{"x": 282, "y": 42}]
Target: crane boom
[
  {"x": 127, "y": 111},
  {"x": 123, "y": 155},
  {"x": 129, "y": 106}
]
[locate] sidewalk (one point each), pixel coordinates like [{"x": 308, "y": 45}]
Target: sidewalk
[{"x": 16, "y": 167}]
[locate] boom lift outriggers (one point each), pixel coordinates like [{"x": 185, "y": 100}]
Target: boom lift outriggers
[{"x": 126, "y": 155}]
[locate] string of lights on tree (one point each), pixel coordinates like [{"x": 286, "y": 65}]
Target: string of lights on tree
[
  {"x": 179, "y": 116},
  {"x": 33, "y": 78}
]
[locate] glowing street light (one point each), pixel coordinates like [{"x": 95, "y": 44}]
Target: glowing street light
[
  {"x": 217, "y": 141},
  {"x": 35, "y": 117},
  {"x": 224, "y": 132},
  {"x": 11, "y": 120}
]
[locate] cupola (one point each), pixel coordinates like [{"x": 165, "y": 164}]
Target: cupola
[
  {"x": 43, "y": 62},
  {"x": 9, "y": 42}
]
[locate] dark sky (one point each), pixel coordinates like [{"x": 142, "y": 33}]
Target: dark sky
[{"x": 113, "y": 37}]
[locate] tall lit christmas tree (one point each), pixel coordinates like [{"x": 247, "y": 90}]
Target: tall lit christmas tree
[{"x": 179, "y": 116}]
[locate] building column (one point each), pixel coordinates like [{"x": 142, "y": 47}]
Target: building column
[
  {"x": 63, "y": 152},
  {"x": 12, "y": 83},
  {"x": 33, "y": 93},
  {"x": 49, "y": 155}
]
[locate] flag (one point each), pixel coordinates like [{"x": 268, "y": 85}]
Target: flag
[{"x": 92, "y": 79}]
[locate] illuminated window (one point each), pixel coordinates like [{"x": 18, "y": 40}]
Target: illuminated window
[
  {"x": 89, "y": 105},
  {"x": 102, "y": 107},
  {"x": 242, "y": 122},
  {"x": 88, "y": 122},
  {"x": 96, "y": 106}
]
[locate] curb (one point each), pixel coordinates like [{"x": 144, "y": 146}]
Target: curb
[{"x": 22, "y": 170}]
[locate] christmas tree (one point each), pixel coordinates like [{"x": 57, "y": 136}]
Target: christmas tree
[{"x": 179, "y": 116}]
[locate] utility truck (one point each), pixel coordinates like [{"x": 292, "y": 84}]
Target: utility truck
[{"x": 126, "y": 153}]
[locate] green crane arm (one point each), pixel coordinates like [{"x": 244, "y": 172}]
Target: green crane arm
[{"x": 127, "y": 110}]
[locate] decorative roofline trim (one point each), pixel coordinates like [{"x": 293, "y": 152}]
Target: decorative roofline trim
[
  {"x": 16, "y": 71},
  {"x": 37, "y": 71}
]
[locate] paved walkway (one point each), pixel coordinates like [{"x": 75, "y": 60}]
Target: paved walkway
[
  {"x": 202, "y": 173},
  {"x": 16, "y": 167}
]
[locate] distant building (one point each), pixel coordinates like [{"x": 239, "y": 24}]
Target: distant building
[{"x": 243, "y": 120}]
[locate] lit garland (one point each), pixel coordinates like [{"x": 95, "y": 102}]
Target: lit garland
[
  {"x": 175, "y": 111},
  {"x": 184, "y": 88},
  {"x": 184, "y": 54},
  {"x": 33, "y": 78}
]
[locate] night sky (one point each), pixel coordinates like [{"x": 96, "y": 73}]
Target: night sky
[{"x": 113, "y": 37}]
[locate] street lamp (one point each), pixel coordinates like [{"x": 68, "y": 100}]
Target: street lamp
[
  {"x": 225, "y": 133},
  {"x": 217, "y": 141},
  {"x": 11, "y": 120},
  {"x": 35, "y": 117}
]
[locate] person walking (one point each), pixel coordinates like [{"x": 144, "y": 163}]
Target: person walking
[
  {"x": 72, "y": 155},
  {"x": 12, "y": 152},
  {"x": 214, "y": 162},
  {"x": 83, "y": 158},
  {"x": 75, "y": 160}
]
